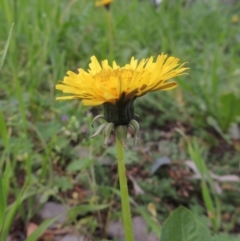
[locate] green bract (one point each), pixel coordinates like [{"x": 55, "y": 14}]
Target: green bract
[{"x": 119, "y": 118}]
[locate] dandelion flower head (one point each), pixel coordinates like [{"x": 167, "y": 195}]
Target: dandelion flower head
[
  {"x": 235, "y": 19},
  {"x": 103, "y": 83},
  {"x": 103, "y": 3}
]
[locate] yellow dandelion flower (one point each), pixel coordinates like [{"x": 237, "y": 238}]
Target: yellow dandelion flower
[
  {"x": 103, "y": 3},
  {"x": 105, "y": 84},
  {"x": 117, "y": 87},
  {"x": 235, "y": 19}
]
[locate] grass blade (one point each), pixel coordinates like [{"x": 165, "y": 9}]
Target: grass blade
[
  {"x": 2, "y": 204},
  {"x": 40, "y": 230},
  {"x": 3, "y": 130},
  {"x": 4, "y": 53}
]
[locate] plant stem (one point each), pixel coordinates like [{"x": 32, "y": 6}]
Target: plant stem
[
  {"x": 110, "y": 34},
  {"x": 126, "y": 214}
]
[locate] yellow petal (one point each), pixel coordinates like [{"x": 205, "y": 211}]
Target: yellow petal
[{"x": 104, "y": 83}]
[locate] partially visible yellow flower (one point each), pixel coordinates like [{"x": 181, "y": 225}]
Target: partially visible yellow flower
[
  {"x": 103, "y": 3},
  {"x": 103, "y": 83},
  {"x": 235, "y": 19}
]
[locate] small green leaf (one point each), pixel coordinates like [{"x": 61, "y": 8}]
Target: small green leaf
[
  {"x": 83, "y": 209},
  {"x": 78, "y": 165},
  {"x": 63, "y": 183},
  {"x": 183, "y": 226}
]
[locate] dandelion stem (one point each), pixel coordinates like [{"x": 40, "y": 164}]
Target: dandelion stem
[
  {"x": 126, "y": 213},
  {"x": 110, "y": 35}
]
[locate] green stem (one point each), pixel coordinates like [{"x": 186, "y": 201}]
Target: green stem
[
  {"x": 126, "y": 213},
  {"x": 110, "y": 34}
]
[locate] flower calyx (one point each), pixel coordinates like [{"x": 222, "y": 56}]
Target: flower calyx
[
  {"x": 120, "y": 131},
  {"x": 119, "y": 117}
]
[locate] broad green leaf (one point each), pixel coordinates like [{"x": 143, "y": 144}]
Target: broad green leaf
[
  {"x": 3, "y": 54},
  {"x": 229, "y": 107},
  {"x": 183, "y": 226}
]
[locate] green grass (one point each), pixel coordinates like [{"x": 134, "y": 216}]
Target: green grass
[{"x": 45, "y": 145}]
